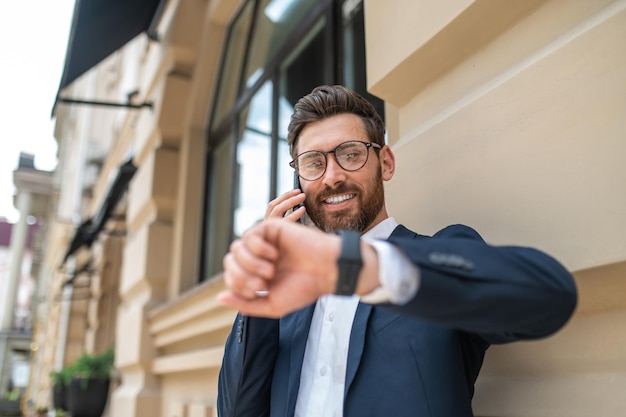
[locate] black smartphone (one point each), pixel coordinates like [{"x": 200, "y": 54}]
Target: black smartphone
[{"x": 296, "y": 185}]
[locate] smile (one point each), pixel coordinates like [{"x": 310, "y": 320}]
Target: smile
[{"x": 339, "y": 199}]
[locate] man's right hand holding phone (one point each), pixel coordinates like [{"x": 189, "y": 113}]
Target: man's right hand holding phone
[{"x": 282, "y": 206}]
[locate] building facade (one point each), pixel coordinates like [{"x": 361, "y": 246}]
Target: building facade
[
  {"x": 506, "y": 116},
  {"x": 16, "y": 295},
  {"x": 20, "y": 261}
]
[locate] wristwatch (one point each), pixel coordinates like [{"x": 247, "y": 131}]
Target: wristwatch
[{"x": 349, "y": 262}]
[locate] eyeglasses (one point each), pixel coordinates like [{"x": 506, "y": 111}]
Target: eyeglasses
[{"x": 351, "y": 156}]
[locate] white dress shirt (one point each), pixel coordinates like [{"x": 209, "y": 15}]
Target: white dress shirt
[{"x": 323, "y": 374}]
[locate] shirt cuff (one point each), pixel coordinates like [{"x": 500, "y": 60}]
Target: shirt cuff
[{"x": 399, "y": 277}]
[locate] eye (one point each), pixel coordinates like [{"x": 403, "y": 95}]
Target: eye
[
  {"x": 311, "y": 161},
  {"x": 351, "y": 153},
  {"x": 352, "y": 156},
  {"x": 314, "y": 164}
]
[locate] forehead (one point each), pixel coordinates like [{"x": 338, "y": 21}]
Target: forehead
[{"x": 326, "y": 134}]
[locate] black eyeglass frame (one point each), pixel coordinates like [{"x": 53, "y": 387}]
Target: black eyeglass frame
[{"x": 368, "y": 145}]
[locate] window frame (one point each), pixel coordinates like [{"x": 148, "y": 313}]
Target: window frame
[{"x": 228, "y": 128}]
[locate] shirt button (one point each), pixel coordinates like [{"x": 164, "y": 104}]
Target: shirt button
[
  {"x": 331, "y": 317},
  {"x": 324, "y": 370}
]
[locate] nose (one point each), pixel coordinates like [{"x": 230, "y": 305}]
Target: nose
[{"x": 334, "y": 173}]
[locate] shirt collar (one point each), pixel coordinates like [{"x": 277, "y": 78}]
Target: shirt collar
[{"x": 382, "y": 230}]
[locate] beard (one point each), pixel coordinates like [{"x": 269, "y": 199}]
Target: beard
[{"x": 371, "y": 203}]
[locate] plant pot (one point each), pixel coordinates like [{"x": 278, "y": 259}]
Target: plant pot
[
  {"x": 59, "y": 396},
  {"x": 88, "y": 397}
]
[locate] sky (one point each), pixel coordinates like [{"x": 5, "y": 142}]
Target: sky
[{"x": 33, "y": 42}]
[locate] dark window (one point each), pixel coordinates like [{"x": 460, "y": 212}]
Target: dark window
[
  {"x": 276, "y": 52},
  {"x": 254, "y": 157},
  {"x": 232, "y": 63}
]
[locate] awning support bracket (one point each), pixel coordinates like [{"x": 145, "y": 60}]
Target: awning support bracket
[{"x": 148, "y": 104}]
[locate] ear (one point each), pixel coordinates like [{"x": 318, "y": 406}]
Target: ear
[{"x": 387, "y": 163}]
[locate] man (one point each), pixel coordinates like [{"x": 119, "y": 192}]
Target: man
[{"x": 415, "y": 314}]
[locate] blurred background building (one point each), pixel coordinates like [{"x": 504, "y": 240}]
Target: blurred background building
[
  {"x": 171, "y": 124},
  {"x": 20, "y": 260}
]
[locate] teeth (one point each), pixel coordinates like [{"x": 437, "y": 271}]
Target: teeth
[{"x": 339, "y": 199}]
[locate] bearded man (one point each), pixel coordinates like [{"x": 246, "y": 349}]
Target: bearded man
[{"x": 360, "y": 316}]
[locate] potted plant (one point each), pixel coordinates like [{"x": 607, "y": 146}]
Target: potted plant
[
  {"x": 89, "y": 387},
  {"x": 41, "y": 411},
  {"x": 60, "y": 383}
]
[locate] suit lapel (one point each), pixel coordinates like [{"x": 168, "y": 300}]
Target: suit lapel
[
  {"x": 359, "y": 326},
  {"x": 357, "y": 342},
  {"x": 301, "y": 325}
]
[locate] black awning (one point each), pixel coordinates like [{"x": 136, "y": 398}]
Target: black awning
[
  {"x": 101, "y": 27},
  {"x": 118, "y": 188},
  {"x": 89, "y": 230}
]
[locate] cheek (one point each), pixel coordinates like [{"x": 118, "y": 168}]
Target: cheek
[
  {"x": 309, "y": 187},
  {"x": 309, "y": 191}
]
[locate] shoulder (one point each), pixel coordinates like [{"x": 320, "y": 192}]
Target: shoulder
[{"x": 459, "y": 231}]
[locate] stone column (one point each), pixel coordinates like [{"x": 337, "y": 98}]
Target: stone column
[
  {"x": 18, "y": 242},
  {"x": 33, "y": 190}
]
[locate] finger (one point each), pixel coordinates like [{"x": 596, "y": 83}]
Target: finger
[
  {"x": 258, "y": 307},
  {"x": 250, "y": 261},
  {"x": 281, "y": 205},
  {"x": 296, "y": 215},
  {"x": 272, "y": 207},
  {"x": 244, "y": 286},
  {"x": 256, "y": 248},
  {"x": 235, "y": 277}
]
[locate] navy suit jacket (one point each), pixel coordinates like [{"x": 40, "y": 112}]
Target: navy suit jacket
[{"x": 419, "y": 359}]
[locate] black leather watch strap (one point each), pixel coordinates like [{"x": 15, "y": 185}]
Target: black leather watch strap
[{"x": 349, "y": 262}]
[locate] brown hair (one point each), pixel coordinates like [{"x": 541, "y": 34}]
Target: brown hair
[{"x": 326, "y": 101}]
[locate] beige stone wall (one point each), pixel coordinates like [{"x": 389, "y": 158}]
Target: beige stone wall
[
  {"x": 189, "y": 334},
  {"x": 48, "y": 312},
  {"x": 509, "y": 116}
]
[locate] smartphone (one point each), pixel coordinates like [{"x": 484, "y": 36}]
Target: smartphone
[{"x": 296, "y": 185}]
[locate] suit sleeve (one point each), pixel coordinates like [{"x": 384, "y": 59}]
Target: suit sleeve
[
  {"x": 245, "y": 379},
  {"x": 501, "y": 293}
]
